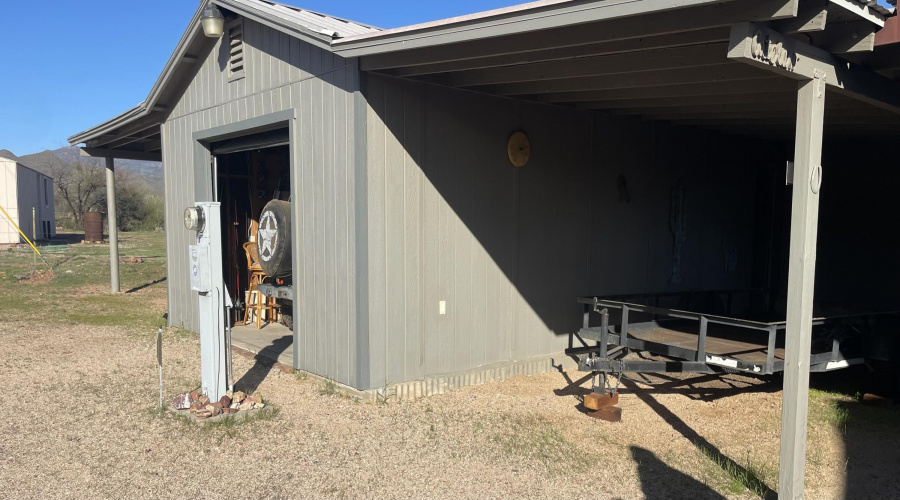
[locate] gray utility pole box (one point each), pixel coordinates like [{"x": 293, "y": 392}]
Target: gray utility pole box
[
  {"x": 206, "y": 280},
  {"x": 200, "y": 268}
]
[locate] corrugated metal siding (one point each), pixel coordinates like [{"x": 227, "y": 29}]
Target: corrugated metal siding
[
  {"x": 510, "y": 249},
  {"x": 450, "y": 219},
  {"x": 282, "y": 73}
]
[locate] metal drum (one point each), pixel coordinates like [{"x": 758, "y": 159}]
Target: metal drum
[{"x": 93, "y": 226}]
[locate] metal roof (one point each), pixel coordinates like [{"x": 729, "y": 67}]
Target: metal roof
[
  {"x": 320, "y": 29},
  {"x": 315, "y": 21},
  {"x": 563, "y": 44}
]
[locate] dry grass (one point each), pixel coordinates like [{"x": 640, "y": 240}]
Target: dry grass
[{"x": 80, "y": 421}]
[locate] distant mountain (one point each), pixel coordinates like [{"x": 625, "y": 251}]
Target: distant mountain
[{"x": 149, "y": 173}]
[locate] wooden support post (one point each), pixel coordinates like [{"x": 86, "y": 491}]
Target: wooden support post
[
  {"x": 113, "y": 230},
  {"x": 801, "y": 277}
]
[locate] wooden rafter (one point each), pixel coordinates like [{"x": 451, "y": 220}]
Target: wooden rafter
[{"x": 762, "y": 47}]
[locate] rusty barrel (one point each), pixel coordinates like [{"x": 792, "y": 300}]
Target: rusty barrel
[{"x": 93, "y": 226}]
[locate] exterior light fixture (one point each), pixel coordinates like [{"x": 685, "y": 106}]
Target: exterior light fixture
[{"x": 213, "y": 21}]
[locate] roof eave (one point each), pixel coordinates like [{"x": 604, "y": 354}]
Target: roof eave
[
  {"x": 193, "y": 30},
  {"x": 540, "y": 15},
  {"x": 145, "y": 107},
  {"x": 111, "y": 124}
]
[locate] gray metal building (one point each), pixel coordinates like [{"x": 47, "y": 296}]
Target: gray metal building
[{"x": 422, "y": 254}]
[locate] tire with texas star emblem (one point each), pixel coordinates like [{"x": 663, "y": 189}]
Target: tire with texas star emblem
[{"x": 273, "y": 240}]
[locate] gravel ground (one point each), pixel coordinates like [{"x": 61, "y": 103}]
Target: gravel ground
[{"x": 79, "y": 421}]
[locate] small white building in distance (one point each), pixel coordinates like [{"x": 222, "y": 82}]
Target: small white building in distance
[{"x": 22, "y": 190}]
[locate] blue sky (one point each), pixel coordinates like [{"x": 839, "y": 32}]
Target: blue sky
[{"x": 67, "y": 69}]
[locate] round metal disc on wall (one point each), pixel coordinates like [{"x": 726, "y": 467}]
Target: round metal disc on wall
[{"x": 518, "y": 148}]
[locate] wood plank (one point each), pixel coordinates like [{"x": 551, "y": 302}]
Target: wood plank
[
  {"x": 412, "y": 229},
  {"x": 681, "y": 76},
  {"x": 343, "y": 228},
  {"x": 801, "y": 281},
  {"x": 432, "y": 249},
  {"x": 609, "y": 414},
  {"x": 308, "y": 252},
  {"x": 597, "y": 401},
  {"x": 651, "y": 60},
  {"x": 708, "y": 35},
  {"x": 734, "y": 109},
  {"x": 811, "y": 16},
  {"x": 394, "y": 121},
  {"x": 329, "y": 271},
  {"x": 729, "y": 88},
  {"x": 846, "y": 38},
  {"x": 690, "y": 101},
  {"x": 376, "y": 137}
]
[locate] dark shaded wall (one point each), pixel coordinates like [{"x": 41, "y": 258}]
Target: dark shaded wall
[
  {"x": 632, "y": 243},
  {"x": 510, "y": 249},
  {"x": 857, "y": 264}
]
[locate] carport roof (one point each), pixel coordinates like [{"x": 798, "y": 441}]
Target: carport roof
[{"x": 659, "y": 59}]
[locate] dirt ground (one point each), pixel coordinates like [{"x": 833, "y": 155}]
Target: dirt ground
[{"x": 79, "y": 419}]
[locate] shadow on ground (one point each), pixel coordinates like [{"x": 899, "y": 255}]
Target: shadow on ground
[
  {"x": 658, "y": 480},
  {"x": 263, "y": 363},
  {"x": 749, "y": 479},
  {"x": 661, "y": 482},
  {"x": 145, "y": 285}
]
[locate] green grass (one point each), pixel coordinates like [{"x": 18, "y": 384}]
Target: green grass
[
  {"x": 329, "y": 388},
  {"x": 536, "y": 439},
  {"x": 220, "y": 428},
  {"x": 739, "y": 478},
  {"x": 829, "y": 408},
  {"x": 77, "y": 290}
]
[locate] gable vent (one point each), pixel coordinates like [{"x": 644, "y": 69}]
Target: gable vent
[{"x": 235, "y": 51}]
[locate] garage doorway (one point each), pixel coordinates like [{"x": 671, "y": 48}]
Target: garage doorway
[{"x": 246, "y": 173}]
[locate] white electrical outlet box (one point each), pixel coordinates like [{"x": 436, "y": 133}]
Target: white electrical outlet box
[
  {"x": 442, "y": 307},
  {"x": 199, "y": 268}
]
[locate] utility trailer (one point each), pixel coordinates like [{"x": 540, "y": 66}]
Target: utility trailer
[{"x": 705, "y": 343}]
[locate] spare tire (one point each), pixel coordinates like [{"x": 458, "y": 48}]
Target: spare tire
[{"x": 273, "y": 239}]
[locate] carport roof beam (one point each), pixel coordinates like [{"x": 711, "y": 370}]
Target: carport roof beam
[{"x": 795, "y": 59}]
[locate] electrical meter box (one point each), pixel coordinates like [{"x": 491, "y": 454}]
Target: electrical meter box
[{"x": 200, "y": 279}]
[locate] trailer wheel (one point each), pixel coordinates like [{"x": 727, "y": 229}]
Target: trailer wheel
[{"x": 274, "y": 239}]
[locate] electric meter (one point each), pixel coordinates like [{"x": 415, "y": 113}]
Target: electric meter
[{"x": 193, "y": 219}]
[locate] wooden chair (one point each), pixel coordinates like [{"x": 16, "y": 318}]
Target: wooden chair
[{"x": 256, "y": 300}]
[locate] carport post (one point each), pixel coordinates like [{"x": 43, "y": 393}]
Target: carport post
[
  {"x": 801, "y": 277},
  {"x": 111, "y": 218}
]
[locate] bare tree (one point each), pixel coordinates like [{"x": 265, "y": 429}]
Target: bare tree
[{"x": 80, "y": 186}]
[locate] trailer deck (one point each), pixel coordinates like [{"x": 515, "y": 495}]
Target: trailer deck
[{"x": 704, "y": 343}]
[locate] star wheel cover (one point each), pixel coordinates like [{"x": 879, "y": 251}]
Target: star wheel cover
[{"x": 268, "y": 235}]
